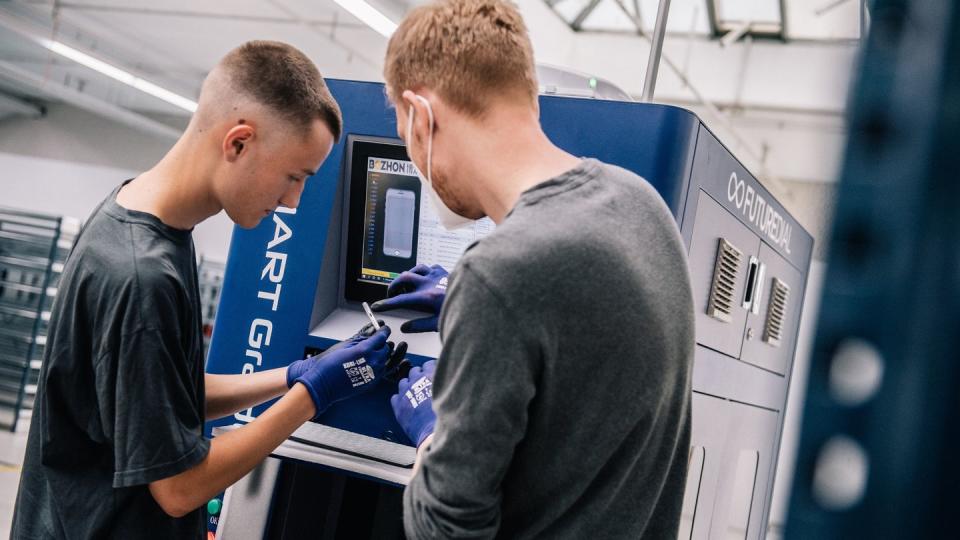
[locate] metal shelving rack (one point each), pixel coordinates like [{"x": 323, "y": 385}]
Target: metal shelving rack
[
  {"x": 33, "y": 248},
  {"x": 210, "y": 284}
]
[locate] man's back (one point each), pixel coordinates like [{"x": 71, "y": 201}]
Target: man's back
[{"x": 563, "y": 390}]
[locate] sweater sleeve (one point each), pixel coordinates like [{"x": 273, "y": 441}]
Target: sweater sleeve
[{"x": 485, "y": 380}]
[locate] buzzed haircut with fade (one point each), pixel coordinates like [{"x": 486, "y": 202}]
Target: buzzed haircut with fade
[
  {"x": 468, "y": 51},
  {"x": 284, "y": 79}
]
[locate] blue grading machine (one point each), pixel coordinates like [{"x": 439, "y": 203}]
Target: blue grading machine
[{"x": 294, "y": 285}]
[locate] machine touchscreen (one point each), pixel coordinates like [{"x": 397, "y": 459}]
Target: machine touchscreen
[{"x": 392, "y": 225}]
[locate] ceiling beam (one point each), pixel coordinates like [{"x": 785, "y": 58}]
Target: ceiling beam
[
  {"x": 577, "y": 22},
  {"x": 12, "y": 106},
  {"x": 85, "y": 101}
]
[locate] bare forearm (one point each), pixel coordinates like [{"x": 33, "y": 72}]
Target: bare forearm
[
  {"x": 234, "y": 454},
  {"x": 227, "y": 394}
]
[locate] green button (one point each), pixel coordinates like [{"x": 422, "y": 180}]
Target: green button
[{"x": 214, "y": 506}]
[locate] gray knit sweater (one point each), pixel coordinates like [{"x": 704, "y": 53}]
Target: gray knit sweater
[{"x": 563, "y": 390}]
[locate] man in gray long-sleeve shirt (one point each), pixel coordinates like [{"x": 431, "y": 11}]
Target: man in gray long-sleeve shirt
[{"x": 562, "y": 393}]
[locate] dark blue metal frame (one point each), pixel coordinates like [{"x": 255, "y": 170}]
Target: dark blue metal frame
[{"x": 892, "y": 282}]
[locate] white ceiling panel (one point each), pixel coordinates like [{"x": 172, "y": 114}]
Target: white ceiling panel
[
  {"x": 608, "y": 15},
  {"x": 805, "y": 19},
  {"x": 234, "y": 8},
  {"x": 685, "y": 15},
  {"x": 756, "y": 11},
  {"x": 13, "y": 48},
  {"x": 617, "y": 15},
  {"x": 823, "y": 19},
  {"x": 326, "y": 10},
  {"x": 192, "y": 45}
]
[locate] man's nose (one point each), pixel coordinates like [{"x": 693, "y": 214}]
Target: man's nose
[{"x": 291, "y": 199}]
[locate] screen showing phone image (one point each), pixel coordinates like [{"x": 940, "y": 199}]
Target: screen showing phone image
[
  {"x": 392, "y": 224},
  {"x": 399, "y": 209}
]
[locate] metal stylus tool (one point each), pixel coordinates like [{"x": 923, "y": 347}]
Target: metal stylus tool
[{"x": 373, "y": 320}]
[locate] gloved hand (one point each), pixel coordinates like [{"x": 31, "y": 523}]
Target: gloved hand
[
  {"x": 422, "y": 288},
  {"x": 413, "y": 403},
  {"x": 350, "y": 369},
  {"x": 299, "y": 367}
]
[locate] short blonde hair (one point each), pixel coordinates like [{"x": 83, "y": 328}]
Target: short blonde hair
[{"x": 465, "y": 50}]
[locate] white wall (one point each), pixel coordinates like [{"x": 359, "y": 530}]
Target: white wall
[
  {"x": 69, "y": 134},
  {"x": 74, "y": 189},
  {"x": 68, "y": 161}
]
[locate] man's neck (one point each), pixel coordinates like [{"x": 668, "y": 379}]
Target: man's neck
[
  {"x": 525, "y": 157},
  {"x": 177, "y": 190}
]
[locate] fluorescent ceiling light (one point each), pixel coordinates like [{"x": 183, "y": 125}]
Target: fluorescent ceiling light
[
  {"x": 118, "y": 74},
  {"x": 369, "y": 15}
]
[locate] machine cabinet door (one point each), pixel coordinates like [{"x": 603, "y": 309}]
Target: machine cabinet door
[
  {"x": 771, "y": 331},
  {"x": 703, "y": 472},
  {"x": 730, "y": 463},
  {"x": 745, "y": 463},
  {"x": 722, "y": 252}
]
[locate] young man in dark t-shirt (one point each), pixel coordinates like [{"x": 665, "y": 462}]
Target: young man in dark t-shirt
[{"x": 116, "y": 446}]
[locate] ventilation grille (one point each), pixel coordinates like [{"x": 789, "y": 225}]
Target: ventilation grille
[
  {"x": 773, "y": 329},
  {"x": 720, "y": 305}
]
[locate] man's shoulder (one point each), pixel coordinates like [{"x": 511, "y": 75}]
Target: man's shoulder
[
  {"x": 629, "y": 184},
  {"x": 514, "y": 258},
  {"x": 549, "y": 240},
  {"x": 108, "y": 255},
  {"x": 509, "y": 247}
]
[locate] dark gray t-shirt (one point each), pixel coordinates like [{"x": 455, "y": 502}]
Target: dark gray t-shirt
[
  {"x": 563, "y": 390},
  {"x": 121, "y": 397}
]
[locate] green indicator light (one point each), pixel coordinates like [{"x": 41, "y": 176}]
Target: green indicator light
[
  {"x": 214, "y": 506},
  {"x": 593, "y": 82}
]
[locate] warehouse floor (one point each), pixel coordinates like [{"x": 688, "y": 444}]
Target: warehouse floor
[{"x": 12, "y": 447}]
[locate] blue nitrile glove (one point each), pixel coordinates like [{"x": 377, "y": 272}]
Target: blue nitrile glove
[
  {"x": 422, "y": 288},
  {"x": 348, "y": 371},
  {"x": 397, "y": 365},
  {"x": 299, "y": 367},
  {"x": 413, "y": 403}
]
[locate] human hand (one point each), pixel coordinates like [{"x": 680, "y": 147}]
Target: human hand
[{"x": 422, "y": 288}]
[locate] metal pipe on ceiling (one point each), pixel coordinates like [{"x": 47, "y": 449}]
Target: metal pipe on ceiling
[{"x": 10, "y": 106}]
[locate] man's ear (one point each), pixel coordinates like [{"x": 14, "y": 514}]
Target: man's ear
[
  {"x": 421, "y": 114},
  {"x": 236, "y": 140}
]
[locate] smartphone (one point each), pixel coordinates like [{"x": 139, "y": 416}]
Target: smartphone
[{"x": 399, "y": 211}]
